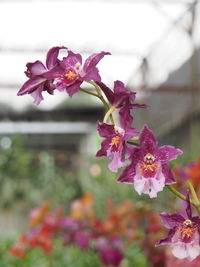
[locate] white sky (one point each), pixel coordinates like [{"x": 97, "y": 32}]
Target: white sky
[{"x": 127, "y": 29}]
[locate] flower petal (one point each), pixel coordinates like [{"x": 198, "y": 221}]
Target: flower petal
[
  {"x": 35, "y": 68},
  {"x": 168, "y": 174},
  {"x": 147, "y": 140},
  {"x": 108, "y": 92},
  {"x": 166, "y": 240},
  {"x": 93, "y": 60},
  {"x": 52, "y": 56},
  {"x": 31, "y": 85},
  {"x": 171, "y": 221},
  {"x": 167, "y": 153},
  {"x": 106, "y": 130},
  {"x": 71, "y": 60},
  {"x": 37, "y": 95},
  {"x": 127, "y": 176},
  {"x": 93, "y": 75},
  {"x": 73, "y": 89}
]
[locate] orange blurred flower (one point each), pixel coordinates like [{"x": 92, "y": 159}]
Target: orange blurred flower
[
  {"x": 37, "y": 214},
  {"x": 83, "y": 208}
]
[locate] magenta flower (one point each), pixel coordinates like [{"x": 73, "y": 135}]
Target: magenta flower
[
  {"x": 183, "y": 236},
  {"x": 121, "y": 98},
  {"x": 114, "y": 146},
  {"x": 110, "y": 250},
  {"x": 148, "y": 170},
  {"x": 70, "y": 73},
  {"x": 37, "y": 83},
  {"x": 111, "y": 257}
]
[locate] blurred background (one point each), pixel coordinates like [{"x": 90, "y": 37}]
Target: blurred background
[{"x": 47, "y": 151}]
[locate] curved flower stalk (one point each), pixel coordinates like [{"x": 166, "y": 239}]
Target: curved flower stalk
[
  {"x": 184, "y": 233},
  {"x": 148, "y": 171}
]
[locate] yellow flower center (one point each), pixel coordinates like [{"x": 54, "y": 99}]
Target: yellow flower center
[
  {"x": 187, "y": 230},
  {"x": 71, "y": 75}
]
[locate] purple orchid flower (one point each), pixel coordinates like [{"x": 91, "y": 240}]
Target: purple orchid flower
[
  {"x": 110, "y": 250},
  {"x": 148, "y": 170},
  {"x": 184, "y": 233},
  {"x": 37, "y": 83},
  {"x": 114, "y": 146},
  {"x": 70, "y": 73},
  {"x": 121, "y": 98}
]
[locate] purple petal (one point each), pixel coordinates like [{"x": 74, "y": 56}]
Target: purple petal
[
  {"x": 93, "y": 60},
  {"x": 108, "y": 92},
  {"x": 167, "y": 153},
  {"x": 71, "y": 60},
  {"x": 117, "y": 160},
  {"x": 171, "y": 221},
  {"x": 111, "y": 257},
  {"x": 74, "y": 88},
  {"x": 37, "y": 95},
  {"x": 168, "y": 174},
  {"x": 166, "y": 240},
  {"x": 188, "y": 208},
  {"x": 120, "y": 88},
  {"x": 106, "y": 130},
  {"x": 31, "y": 85},
  {"x": 137, "y": 106},
  {"x": 52, "y": 56},
  {"x": 127, "y": 176},
  {"x": 148, "y": 141},
  {"x": 35, "y": 68},
  {"x": 93, "y": 76},
  {"x": 105, "y": 145},
  {"x": 54, "y": 73},
  {"x": 126, "y": 121}
]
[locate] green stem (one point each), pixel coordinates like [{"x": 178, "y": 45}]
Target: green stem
[
  {"x": 100, "y": 96},
  {"x": 178, "y": 194},
  {"x": 132, "y": 143},
  {"x": 88, "y": 92},
  {"x": 193, "y": 193}
]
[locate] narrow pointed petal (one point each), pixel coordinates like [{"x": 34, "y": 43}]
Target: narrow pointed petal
[
  {"x": 148, "y": 141},
  {"x": 93, "y": 60},
  {"x": 108, "y": 92},
  {"x": 31, "y": 85},
  {"x": 52, "y": 56},
  {"x": 127, "y": 176}
]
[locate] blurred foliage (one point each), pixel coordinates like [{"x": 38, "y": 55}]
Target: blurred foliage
[{"x": 28, "y": 178}]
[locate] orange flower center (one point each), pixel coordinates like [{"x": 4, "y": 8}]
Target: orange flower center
[
  {"x": 187, "y": 230},
  {"x": 115, "y": 143},
  {"x": 116, "y": 140}
]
